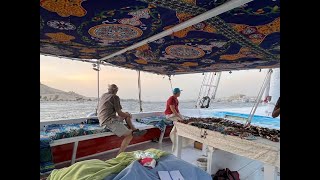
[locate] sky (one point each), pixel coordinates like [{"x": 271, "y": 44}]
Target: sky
[{"x": 68, "y": 75}]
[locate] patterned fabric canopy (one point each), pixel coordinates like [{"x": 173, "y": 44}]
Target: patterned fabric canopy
[{"x": 246, "y": 37}]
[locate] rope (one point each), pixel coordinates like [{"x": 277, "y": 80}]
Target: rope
[
  {"x": 170, "y": 83},
  {"x": 198, "y": 99},
  {"x": 207, "y": 81},
  {"x": 212, "y": 78},
  {"x": 139, "y": 87}
]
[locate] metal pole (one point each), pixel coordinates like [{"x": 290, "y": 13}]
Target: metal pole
[
  {"x": 198, "y": 100},
  {"x": 254, "y": 108},
  {"x": 98, "y": 74},
  {"x": 215, "y": 87},
  {"x": 139, "y": 87}
]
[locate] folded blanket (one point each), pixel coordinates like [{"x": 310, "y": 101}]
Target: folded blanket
[
  {"x": 167, "y": 163},
  {"x": 161, "y": 124},
  {"x": 157, "y": 121},
  {"x": 61, "y": 131},
  {"x": 97, "y": 170},
  {"x": 92, "y": 121},
  {"x": 46, "y": 163}
]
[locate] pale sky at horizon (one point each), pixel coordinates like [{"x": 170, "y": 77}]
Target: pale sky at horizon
[{"x": 79, "y": 77}]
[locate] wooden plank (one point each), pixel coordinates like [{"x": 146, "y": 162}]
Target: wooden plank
[
  {"x": 79, "y": 120},
  {"x": 79, "y": 138},
  {"x": 261, "y": 149},
  {"x": 178, "y": 146},
  {"x": 74, "y": 152},
  {"x": 210, "y": 161},
  {"x": 270, "y": 172},
  {"x": 162, "y": 134}
]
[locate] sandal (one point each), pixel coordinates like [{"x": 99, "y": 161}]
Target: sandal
[{"x": 138, "y": 132}]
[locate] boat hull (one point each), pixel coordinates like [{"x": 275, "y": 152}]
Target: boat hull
[{"x": 63, "y": 153}]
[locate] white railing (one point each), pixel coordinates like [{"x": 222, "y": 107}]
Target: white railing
[{"x": 79, "y": 120}]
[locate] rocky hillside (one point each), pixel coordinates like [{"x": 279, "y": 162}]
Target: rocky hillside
[{"x": 51, "y": 94}]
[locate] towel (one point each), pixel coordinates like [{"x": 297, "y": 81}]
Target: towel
[{"x": 95, "y": 169}]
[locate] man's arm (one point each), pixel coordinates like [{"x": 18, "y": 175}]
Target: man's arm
[
  {"x": 117, "y": 107},
  {"x": 175, "y": 112},
  {"x": 276, "y": 110}
]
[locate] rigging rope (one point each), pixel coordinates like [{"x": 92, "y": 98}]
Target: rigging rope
[
  {"x": 170, "y": 83},
  {"x": 139, "y": 87},
  {"x": 200, "y": 91},
  {"x": 212, "y": 78},
  {"x": 207, "y": 81}
]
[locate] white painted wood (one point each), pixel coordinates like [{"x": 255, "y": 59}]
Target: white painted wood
[
  {"x": 202, "y": 17},
  {"x": 178, "y": 146},
  {"x": 98, "y": 154},
  {"x": 79, "y": 120},
  {"x": 93, "y": 136},
  {"x": 270, "y": 172},
  {"x": 247, "y": 168},
  {"x": 219, "y": 159},
  {"x": 79, "y": 138},
  {"x": 210, "y": 161},
  {"x": 260, "y": 149},
  {"x": 162, "y": 134},
  {"x": 74, "y": 152},
  {"x": 205, "y": 149}
]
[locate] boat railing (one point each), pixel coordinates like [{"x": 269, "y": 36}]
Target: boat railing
[{"x": 79, "y": 120}]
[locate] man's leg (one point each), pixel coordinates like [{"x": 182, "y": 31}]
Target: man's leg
[
  {"x": 129, "y": 122},
  {"x": 118, "y": 128},
  {"x": 136, "y": 132},
  {"x": 125, "y": 142}
]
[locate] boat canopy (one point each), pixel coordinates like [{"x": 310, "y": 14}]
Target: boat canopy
[{"x": 164, "y": 37}]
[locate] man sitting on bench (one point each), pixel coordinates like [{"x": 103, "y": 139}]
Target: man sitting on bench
[{"x": 108, "y": 106}]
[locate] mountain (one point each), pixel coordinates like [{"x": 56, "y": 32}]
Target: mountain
[{"x": 51, "y": 94}]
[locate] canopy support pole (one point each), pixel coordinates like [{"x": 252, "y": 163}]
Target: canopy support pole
[
  {"x": 98, "y": 74},
  {"x": 139, "y": 87},
  {"x": 258, "y": 99},
  {"x": 195, "y": 20},
  {"x": 97, "y": 68}
]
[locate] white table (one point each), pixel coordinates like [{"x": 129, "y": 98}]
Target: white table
[{"x": 261, "y": 149}]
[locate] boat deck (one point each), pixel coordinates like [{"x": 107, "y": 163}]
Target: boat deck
[{"x": 189, "y": 154}]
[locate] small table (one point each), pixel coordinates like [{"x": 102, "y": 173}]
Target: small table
[{"x": 261, "y": 149}]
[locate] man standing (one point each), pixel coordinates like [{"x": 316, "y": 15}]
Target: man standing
[{"x": 108, "y": 106}]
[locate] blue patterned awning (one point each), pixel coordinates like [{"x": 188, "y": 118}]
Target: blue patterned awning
[{"x": 247, "y": 37}]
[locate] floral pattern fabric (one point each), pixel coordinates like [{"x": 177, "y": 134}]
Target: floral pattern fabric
[
  {"x": 158, "y": 121},
  {"x": 246, "y": 37}
]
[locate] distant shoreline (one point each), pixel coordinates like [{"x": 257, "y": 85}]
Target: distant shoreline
[{"x": 136, "y": 101}]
